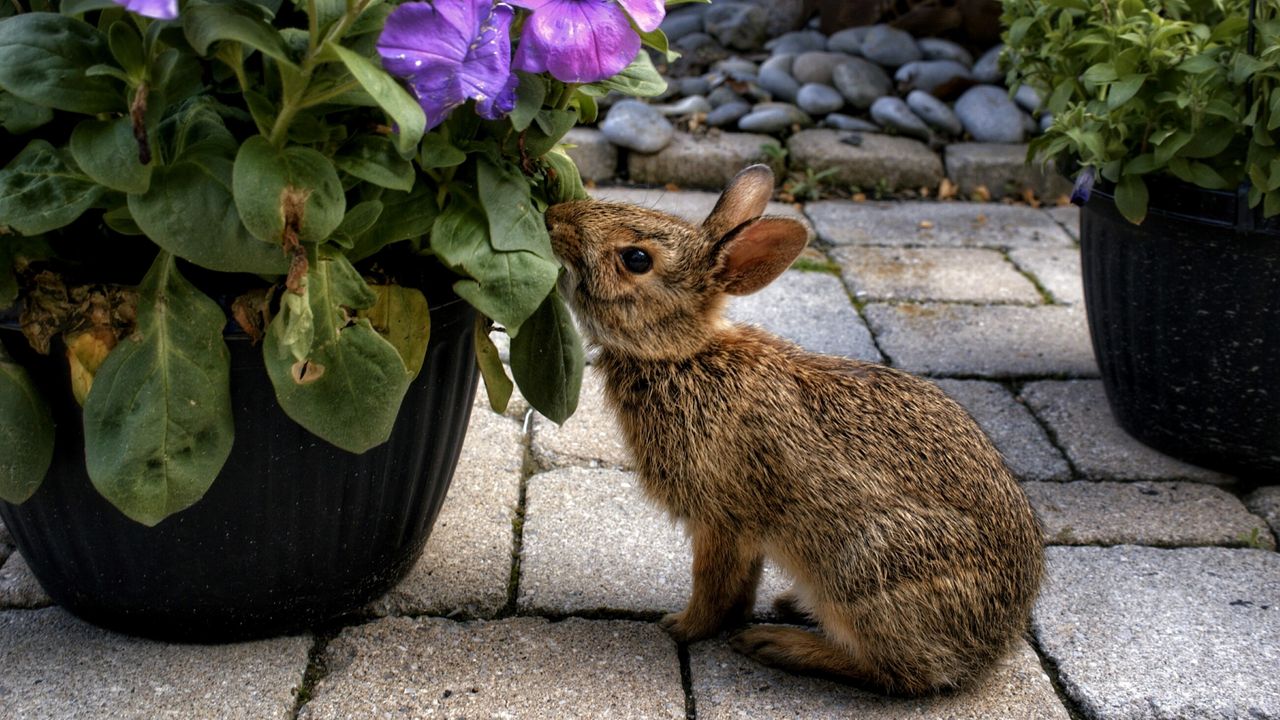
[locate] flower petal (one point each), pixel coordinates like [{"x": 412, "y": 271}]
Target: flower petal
[
  {"x": 158, "y": 9},
  {"x": 577, "y": 41},
  {"x": 648, "y": 14},
  {"x": 486, "y": 70}
]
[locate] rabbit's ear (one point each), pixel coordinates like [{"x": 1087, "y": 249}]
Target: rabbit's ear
[
  {"x": 758, "y": 252},
  {"x": 742, "y": 201}
]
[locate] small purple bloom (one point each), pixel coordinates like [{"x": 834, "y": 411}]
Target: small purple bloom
[
  {"x": 158, "y": 9},
  {"x": 583, "y": 41},
  {"x": 1084, "y": 187},
  {"x": 450, "y": 51}
]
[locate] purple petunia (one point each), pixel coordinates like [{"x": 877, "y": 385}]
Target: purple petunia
[
  {"x": 1083, "y": 187},
  {"x": 452, "y": 51},
  {"x": 158, "y": 9},
  {"x": 583, "y": 41}
]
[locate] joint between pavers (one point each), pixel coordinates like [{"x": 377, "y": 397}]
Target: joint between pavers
[
  {"x": 1055, "y": 678},
  {"x": 317, "y": 670},
  {"x": 686, "y": 680},
  {"x": 1045, "y": 295},
  {"x": 529, "y": 468},
  {"x": 859, "y": 307},
  {"x": 1017, "y": 388}
]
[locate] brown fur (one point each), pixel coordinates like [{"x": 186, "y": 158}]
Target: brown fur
[{"x": 909, "y": 541}]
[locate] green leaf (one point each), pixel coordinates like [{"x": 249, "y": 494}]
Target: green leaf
[
  {"x": 530, "y": 94},
  {"x": 43, "y": 58},
  {"x": 108, "y": 152},
  {"x": 547, "y": 360},
  {"x": 189, "y": 211},
  {"x": 496, "y": 383},
  {"x": 157, "y": 421},
  {"x": 26, "y": 433},
  {"x": 1131, "y": 198},
  {"x": 126, "y": 47},
  {"x": 1100, "y": 74},
  {"x": 401, "y": 316},
  {"x": 1123, "y": 90},
  {"x": 41, "y": 189},
  {"x": 438, "y": 152},
  {"x": 293, "y": 186},
  {"x": 374, "y": 159},
  {"x": 348, "y": 386},
  {"x": 1243, "y": 67},
  {"x": 514, "y": 224},
  {"x": 565, "y": 180},
  {"x": 235, "y": 21},
  {"x": 405, "y": 216},
  {"x": 1198, "y": 64},
  {"x": 657, "y": 40},
  {"x": 391, "y": 97},
  {"x": 358, "y": 221},
  {"x": 639, "y": 79},
  {"x": 19, "y": 117}
]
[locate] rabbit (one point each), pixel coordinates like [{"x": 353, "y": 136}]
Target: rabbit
[{"x": 909, "y": 541}]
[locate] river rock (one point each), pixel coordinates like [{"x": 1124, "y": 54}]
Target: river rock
[
  {"x": 738, "y": 69},
  {"x": 723, "y": 95},
  {"x": 777, "y": 80},
  {"x": 637, "y": 126},
  {"x": 861, "y": 82},
  {"x": 784, "y": 15},
  {"x": 819, "y": 99},
  {"x": 848, "y": 41},
  {"x": 794, "y": 43},
  {"x": 698, "y": 48},
  {"x": 849, "y": 122},
  {"x": 737, "y": 25},
  {"x": 687, "y": 106},
  {"x": 934, "y": 112},
  {"x": 1028, "y": 98},
  {"x": 989, "y": 115},
  {"x": 889, "y": 46},
  {"x": 728, "y": 114},
  {"x": 987, "y": 69},
  {"x": 929, "y": 75},
  {"x": 939, "y": 49},
  {"x": 677, "y": 25},
  {"x": 694, "y": 86},
  {"x": 816, "y": 67},
  {"x": 893, "y": 113},
  {"x": 773, "y": 117}
]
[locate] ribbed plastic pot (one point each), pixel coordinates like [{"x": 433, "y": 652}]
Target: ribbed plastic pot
[
  {"x": 293, "y": 533},
  {"x": 1184, "y": 312}
]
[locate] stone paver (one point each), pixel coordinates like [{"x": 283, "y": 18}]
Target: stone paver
[
  {"x": 1163, "y": 514},
  {"x": 19, "y": 587},
  {"x": 707, "y": 161},
  {"x": 971, "y": 275},
  {"x": 1012, "y": 429},
  {"x": 1001, "y": 168},
  {"x": 590, "y": 438},
  {"x": 466, "y": 566},
  {"x": 1265, "y": 503},
  {"x": 874, "y": 161},
  {"x": 811, "y": 309},
  {"x": 55, "y": 666},
  {"x": 934, "y": 224},
  {"x": 728, "y": 685},
  {"x": 1140, "y": 632},
  {"x": 691, "y": 205},
  {"x": 1077, "y": 414},
  {"x": 991, "y": 342},
  {"x": 1068, "y": 216},
  {"x": 6, "y": 544},
  {"x": 1056, "y": 269},
  {"x": 595, "y": 156},
  {"x": 515, "y": 668},
  {"x": 593, "y": 542}
]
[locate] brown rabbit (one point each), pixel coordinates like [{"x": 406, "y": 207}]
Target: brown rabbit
[{"x": 909, "y": 541}]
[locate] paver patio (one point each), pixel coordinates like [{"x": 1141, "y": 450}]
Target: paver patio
[{"x": 539, "y": 590}]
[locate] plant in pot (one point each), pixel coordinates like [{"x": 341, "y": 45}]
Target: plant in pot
[
  {"x": 1173, "y": 109},
  {"x": 252, "y": 251}
]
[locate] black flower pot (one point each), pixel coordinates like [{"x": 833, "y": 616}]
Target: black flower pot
[
  {"x": 294, "y": 532},
  {"x": 1184, "y": 311}
]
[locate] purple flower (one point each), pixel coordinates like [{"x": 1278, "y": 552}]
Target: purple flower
[
  {"x": 1083, "y": 187},
  {"x": 451, "y": 51},
  {"x": 583, "y": 41},
  {"x": 158, "y": 9}
]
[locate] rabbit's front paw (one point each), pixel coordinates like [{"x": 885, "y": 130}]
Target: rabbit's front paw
[{"x": 683, "y": 629}]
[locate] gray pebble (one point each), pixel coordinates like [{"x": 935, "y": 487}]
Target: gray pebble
[
  {"x": 987, "y": 69},
  {"x": 989, "y": 115},
  {"x": 779, "y": 61},
  {"x": 737, "y": 26},
  {"x": 934, "y": 112},
  {"x": 687, "y": 106},
  {"x": 889, "y": 46},
  {"x": 848, "y": 122},
  {"x": 893, "y": 113},
  {"x": 677, "y": 25},
  {"x": 848, "y": 41},
  {"x": 794, "y": 43},
  {"x": 861, "y": 82},
  {"x": 773, "y": 117},
  {"x": 928, "y": 75},
  {"x": 694, "y": 86},
  {"x": 728, "y": 113},
  {"x": 738, "y": 69},
  {"x": 637, "y": 126},
  {"x": 939, "y": 49},
  {"x": 1046, "y": 121},
  {"x": 819, "y": 99},
  {"x": 816, "y": 67},
  {"x": 778, "y": 83},
  {"x": 699, "y": 48},
  {"x": 723, "y": 95},
  {"x": 1029, "y": 124},
  {"x": 1028, "y": 98}
]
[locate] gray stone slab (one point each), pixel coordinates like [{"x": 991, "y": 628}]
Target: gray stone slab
[
  {"x": 1056, "y": 269},
  {"x": 728, "y": 685},
  {"x": 1001, "y": 168},
  {"x": 811, "y": 309},
  {"x": 590, "y": 438},
  {"x": 692, "y": 205},
  {"x": 703, "y": 161},
  {"x": 466, "y": 566},
  {"x": 934, "y": 224},
  {"x": 1139, "y": 632},
  {"x": 55, "y": 666},
  {"x": 1265, "y": 503},
  {"x": 1068, "y": 216},
  {"x": 6, "y": 544},
  {"x": 995, "y": 341},
  {"x": 1162, "y": 514},
  {"x": 593, "y": 542},
  {"x": 876, "y": 161},
  {"x": 515, "y": 668},
  {"x": 1010, "y": 425},
  {"x": 1077, "y": 415},
  {"x": 975, "y": 275},
  {"x": 19, "y": 587},
  {"x": 591, "y": 151}
]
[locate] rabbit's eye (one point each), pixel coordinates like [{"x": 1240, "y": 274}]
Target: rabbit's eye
[{"x": 637, "y": 261}]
